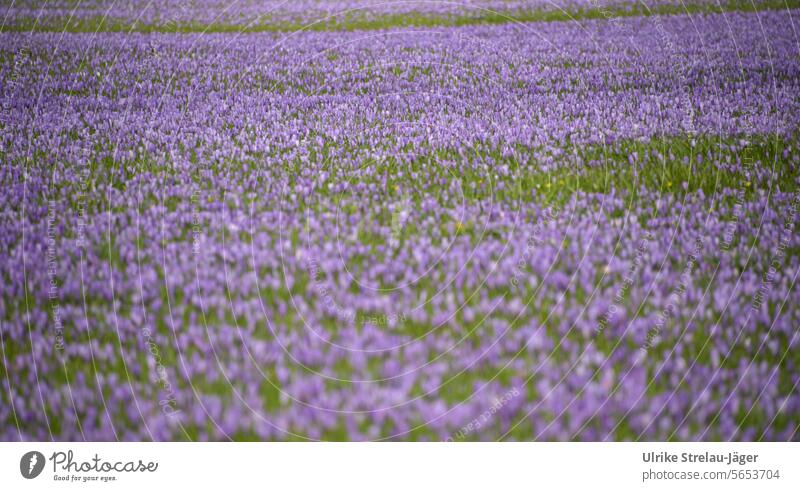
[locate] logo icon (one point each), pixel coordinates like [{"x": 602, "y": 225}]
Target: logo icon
[{"x": 31, "y": 464}]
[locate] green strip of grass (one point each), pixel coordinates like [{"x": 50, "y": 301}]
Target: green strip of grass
[
  {"x": 675, "y": 165},
  {"x": 359, "y": 21},
  {"x": 684, "y": 167}
]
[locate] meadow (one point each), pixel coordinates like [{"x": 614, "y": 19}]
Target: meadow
[{"x": 399, "y": 221}]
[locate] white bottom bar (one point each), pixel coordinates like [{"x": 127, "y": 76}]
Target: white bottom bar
[{"x": 402, "y": 466}]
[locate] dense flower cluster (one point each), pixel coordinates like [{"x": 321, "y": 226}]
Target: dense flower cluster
[{"x": 380, "y": 235}]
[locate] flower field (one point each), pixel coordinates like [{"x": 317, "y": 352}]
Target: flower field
[{"x": 414, "y": 222}]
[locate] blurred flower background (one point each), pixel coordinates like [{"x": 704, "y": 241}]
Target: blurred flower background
[{"x": 399, "y": 220}]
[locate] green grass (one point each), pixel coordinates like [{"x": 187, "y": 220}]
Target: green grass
[{"x": 360, "y": 21}]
